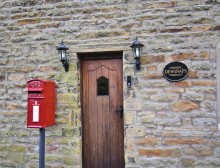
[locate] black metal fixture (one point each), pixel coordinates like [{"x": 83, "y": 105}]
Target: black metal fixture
[
  {"x": 137, "y": 51},
  {"x": 63, "y": 55}
]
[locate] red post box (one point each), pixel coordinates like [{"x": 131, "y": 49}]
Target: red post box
[{"x": 41, "y": 103}]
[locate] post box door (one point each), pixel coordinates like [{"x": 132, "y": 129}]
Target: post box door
[{"x": 35, "y": 113}]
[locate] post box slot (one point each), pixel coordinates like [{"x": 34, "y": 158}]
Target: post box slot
[{"x": 35, "y": 92}]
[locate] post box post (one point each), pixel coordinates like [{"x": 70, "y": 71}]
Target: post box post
[{"x": 42, "y": 148}]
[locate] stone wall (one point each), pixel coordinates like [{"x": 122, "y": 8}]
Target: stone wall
[{"x": 167, "y": 124}]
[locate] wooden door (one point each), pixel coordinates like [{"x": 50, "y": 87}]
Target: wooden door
[{"x": 103, "y": 127}]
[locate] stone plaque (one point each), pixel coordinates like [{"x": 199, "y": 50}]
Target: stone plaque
[{"x": 175, "y": 71}]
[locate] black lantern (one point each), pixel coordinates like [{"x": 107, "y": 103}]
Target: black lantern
[
  {"x": 137, "y": 51},
  {"x": 63, "y": 55}
]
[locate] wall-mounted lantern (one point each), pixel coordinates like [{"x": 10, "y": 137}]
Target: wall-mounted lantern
[
  {"x": 62, "y": 51},
  {"x": 137, "y": 52}
]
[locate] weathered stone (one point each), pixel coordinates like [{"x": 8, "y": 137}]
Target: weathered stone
[
  {"x": 171, "y": 134},
  {"x": 203, "y": 83},
  {"x": 184, "y": 141},
  {"x": 158, "y": 162},
  {"x": 164, "y": 97},
  {"x": 187, "y": 162},
  {"x": 160, "y": 152},
  {"x": 197, "y": 150},
  {"x": 183, "y": 84},
  {"x": 193, "y": 96},
  {"x": 28, "y": 21},
  {"x": 69, "y": 132},
  {"x": 204, "y": 121},
  {"x": 135, "y": 131},
  {"x": 184, "y": 106},
  {"x": 182, "y": 56},
  {"x": 67, "y": 160},
  {"x": 193, "y": 74},
  {"x": 153, "y": 76},
  {"x": 132, "y": 105},
  {"x": 174, "y": 29},
  {"x": 17, "y": 148},
  {"x": 152, "y": 59},
  {"x": 16, "y": 77},
  {"x": 203, "y": 65},
  {"x": 128, "y": 145},
  {"x": 208, "y": 106},
  {"x": 147, "y": 117},
  {"x": 16, "y": 157},
  {"x": 150, "y": 106},
  {"x": 147, "y": 141},
  {"x": 167, "y": 121},
  {"x": 130, "y": 117}
]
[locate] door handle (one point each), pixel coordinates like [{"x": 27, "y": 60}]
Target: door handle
[{"x": 121, "y": 111}]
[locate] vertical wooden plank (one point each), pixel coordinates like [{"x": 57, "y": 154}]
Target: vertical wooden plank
[
  {"x": 85, "y": 116},
  {"x": 120, "y": 120},
  {"x": 113, "y": 118},
  {"x": 106, "y": 126},
  {"x": 99, "y": 122},
  {"x": 93, "y": 119}
]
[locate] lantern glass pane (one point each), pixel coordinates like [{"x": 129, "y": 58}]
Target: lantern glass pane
[
  {"x": 60, "y": 54},
  {"x": 137, "y": 52}
]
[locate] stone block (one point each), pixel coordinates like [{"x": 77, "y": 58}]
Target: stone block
[
  {"x": 71, "y": 160},
  {"x": 28, "y": 21},
  {"x": 150, "y": 106},
  {"x": 128, "y": 145},
  {"x": 52, "y": 158},
  {"x": 193, "y": 96},
  {"x": 193, "y": 74},
  {"x": 170, "y": 134},
  {"x": 154, "y": 75},
  {"x": 70, "y": 132},
  {"x": 210, "y": 162},
  {"x": 164, "y": 97},
  {"x": 147, "y": 117},
  {"x": 202, "y": 65},
  {"x": 135, "y": 131},
  {"x": 197, "y": 150},
  {"x": 181, "y": 56},
  {"x": 147, "y": 141},
  {"x": 16, "y": 77},
  {"x": 204, "y": 83},
  {"x": 16, "y": 157},
  {"x": 184, "y": 106},
  {"x": 167, "y": 121},
  {"x": 208, "y": 106},
  {"x": 130, "y": 117},
  {"x": 146, "y": 59},
  {"x": 204, "y": 121},
  {"x": 132, "y": 105},
  {"x": 187, "y": 162},
  {"x": 159, "y": 162},
  {"x": 160, "y": 152},
  {"x": 180, "y": 141},
  {"x": 183, "y": 84}
]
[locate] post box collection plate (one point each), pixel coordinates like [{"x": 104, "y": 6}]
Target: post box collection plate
[{"x": 175, "y": 71}]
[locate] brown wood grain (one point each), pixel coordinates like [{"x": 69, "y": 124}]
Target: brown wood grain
[{"x": 103, "y": 128}]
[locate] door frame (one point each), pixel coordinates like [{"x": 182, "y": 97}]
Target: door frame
[{"x": 94, "y": 56}]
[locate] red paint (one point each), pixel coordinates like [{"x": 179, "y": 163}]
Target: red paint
[{"x": 41, "y": 103}]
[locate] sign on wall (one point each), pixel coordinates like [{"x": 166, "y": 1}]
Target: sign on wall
[{"x": 175, "y": 71}]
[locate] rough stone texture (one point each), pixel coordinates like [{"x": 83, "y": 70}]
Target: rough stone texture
[{"x": 167, "y": 124}]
